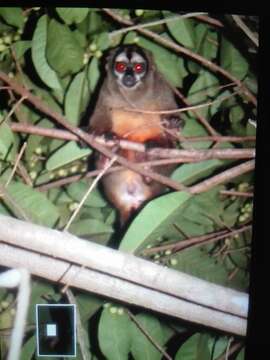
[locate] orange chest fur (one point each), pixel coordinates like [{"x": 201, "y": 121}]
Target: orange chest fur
[{"x": 136, "y": 126}]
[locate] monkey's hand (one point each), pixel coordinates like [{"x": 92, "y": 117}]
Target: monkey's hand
[{"x": 172, "y": 122}]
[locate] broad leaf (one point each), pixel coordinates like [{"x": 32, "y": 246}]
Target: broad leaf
[
  {"x": 46, "y": 73},
  {"x": 232, "y": 60},
  {"x": 12, "y": 16},
  {"x": 141, "y": 347},
  {"x": 190, "y": 173},
  {"x": 35, "y": 204},
  {"x": 72, "y": 15},
  {"x": 63, "y": 51},
  {"x": 151, "y": 220},
  {"x": 195, "y": 348},
  {"x": 66, "y": 154},
  {"x": 7, "y": 142},
  {"x": 78, "y": 189},
  {"x": 114, "y": 335},
  {"x": 169, "y": 64},
  {"x": 20, "y": 47},
  {"x": 182, "y": 30},
  {"x": 77, "y": 97}
]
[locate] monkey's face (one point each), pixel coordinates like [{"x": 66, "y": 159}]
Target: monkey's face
[{"x": 129, "y": 66}]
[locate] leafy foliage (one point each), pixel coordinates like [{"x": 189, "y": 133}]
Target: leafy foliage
[{"x": 58, "y": 54}]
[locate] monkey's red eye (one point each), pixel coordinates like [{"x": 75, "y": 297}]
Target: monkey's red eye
[
  {"x": 138, "y": 68},
  {"x": 120, "y": 66}
]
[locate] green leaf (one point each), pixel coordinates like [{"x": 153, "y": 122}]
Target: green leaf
[
  {"x": 193, "y": 128},
  {"x": 77, "y": 191},
  {"x": 93, "y": 73},
  {"x": 12, "y": 16},
  {"x": 63, "y": 51},
  {"x": 204, "y": 86},
  {"x": 236, "y": 114},
  {"x": 151, "y": 219},
  {"x": 66, "y": 154},
  {"x": 190, "y": 173},
  {"x": 34, "y": 203},
  {"x": 182, "y": 30},
  {"x": 20, "y": 47},
  {"x": 7, "y": 142},
  {"x": 114, "y": 335},
  {"x": 195, "y": 348},
  {"x": 206, "y": 45},
  {"x": 88, "y": 305},
  {"x": 241, "y": 355},
  {"x": 28, "y": 348},
  {"x": 77, "y": 98},
  {"x": 232, "y": 60},
  {"x": 72, "y": 15},
  {"x": 102, "y": 41},
  {"x": 46, "y": 73},
  {"x": 90, "y": 227},
  {"x": 231, "y": 213},
  {"x": 169, "y": 64},
  {"x": 141, "y": 347},
  {"x": 217, "y": 346}
]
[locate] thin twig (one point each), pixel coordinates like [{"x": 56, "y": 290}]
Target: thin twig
[
  {"x": 153, "y": 23},
  {"x": 19, "y": 156},
  {"x": 188, "y": 108},
  {"x": 160, "y": 162},
  {"x": 148, "y": 336},
  {"x": 210, "y": 20},
  {"x": 246, "y": 29},
  {"x": 196, "y": 241},
  {"x": 223, "y": 177},
  {"x": 236, "y": 193},
  {"x": 107, "y": 166},
  {"x": 14, "y": 108},
  {"x": 124, "y": 144},
  {"x": 232, "y": 350}
]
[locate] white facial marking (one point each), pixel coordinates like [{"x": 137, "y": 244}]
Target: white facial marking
[
  {"x": 121, "y": 58},
  {"x": 137, "y": 58}
]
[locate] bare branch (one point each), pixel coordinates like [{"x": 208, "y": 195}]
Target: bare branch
[{"x": 121, "y": 276}]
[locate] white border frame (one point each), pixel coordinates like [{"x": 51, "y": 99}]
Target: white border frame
[{"x": 74, "y": 329}]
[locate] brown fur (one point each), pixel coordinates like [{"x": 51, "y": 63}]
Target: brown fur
[{"x": 126, "y": 189}]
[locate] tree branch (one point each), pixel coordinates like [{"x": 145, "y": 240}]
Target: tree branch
[
  {"x": 196, "y": 155},
  {"x": 119, "y": 275}
]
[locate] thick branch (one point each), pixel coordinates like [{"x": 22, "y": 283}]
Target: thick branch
[
  {"x": 95, "y": 282},
  {"x": 122, "y": 265},
  {"x": 114, "y": 273}
]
